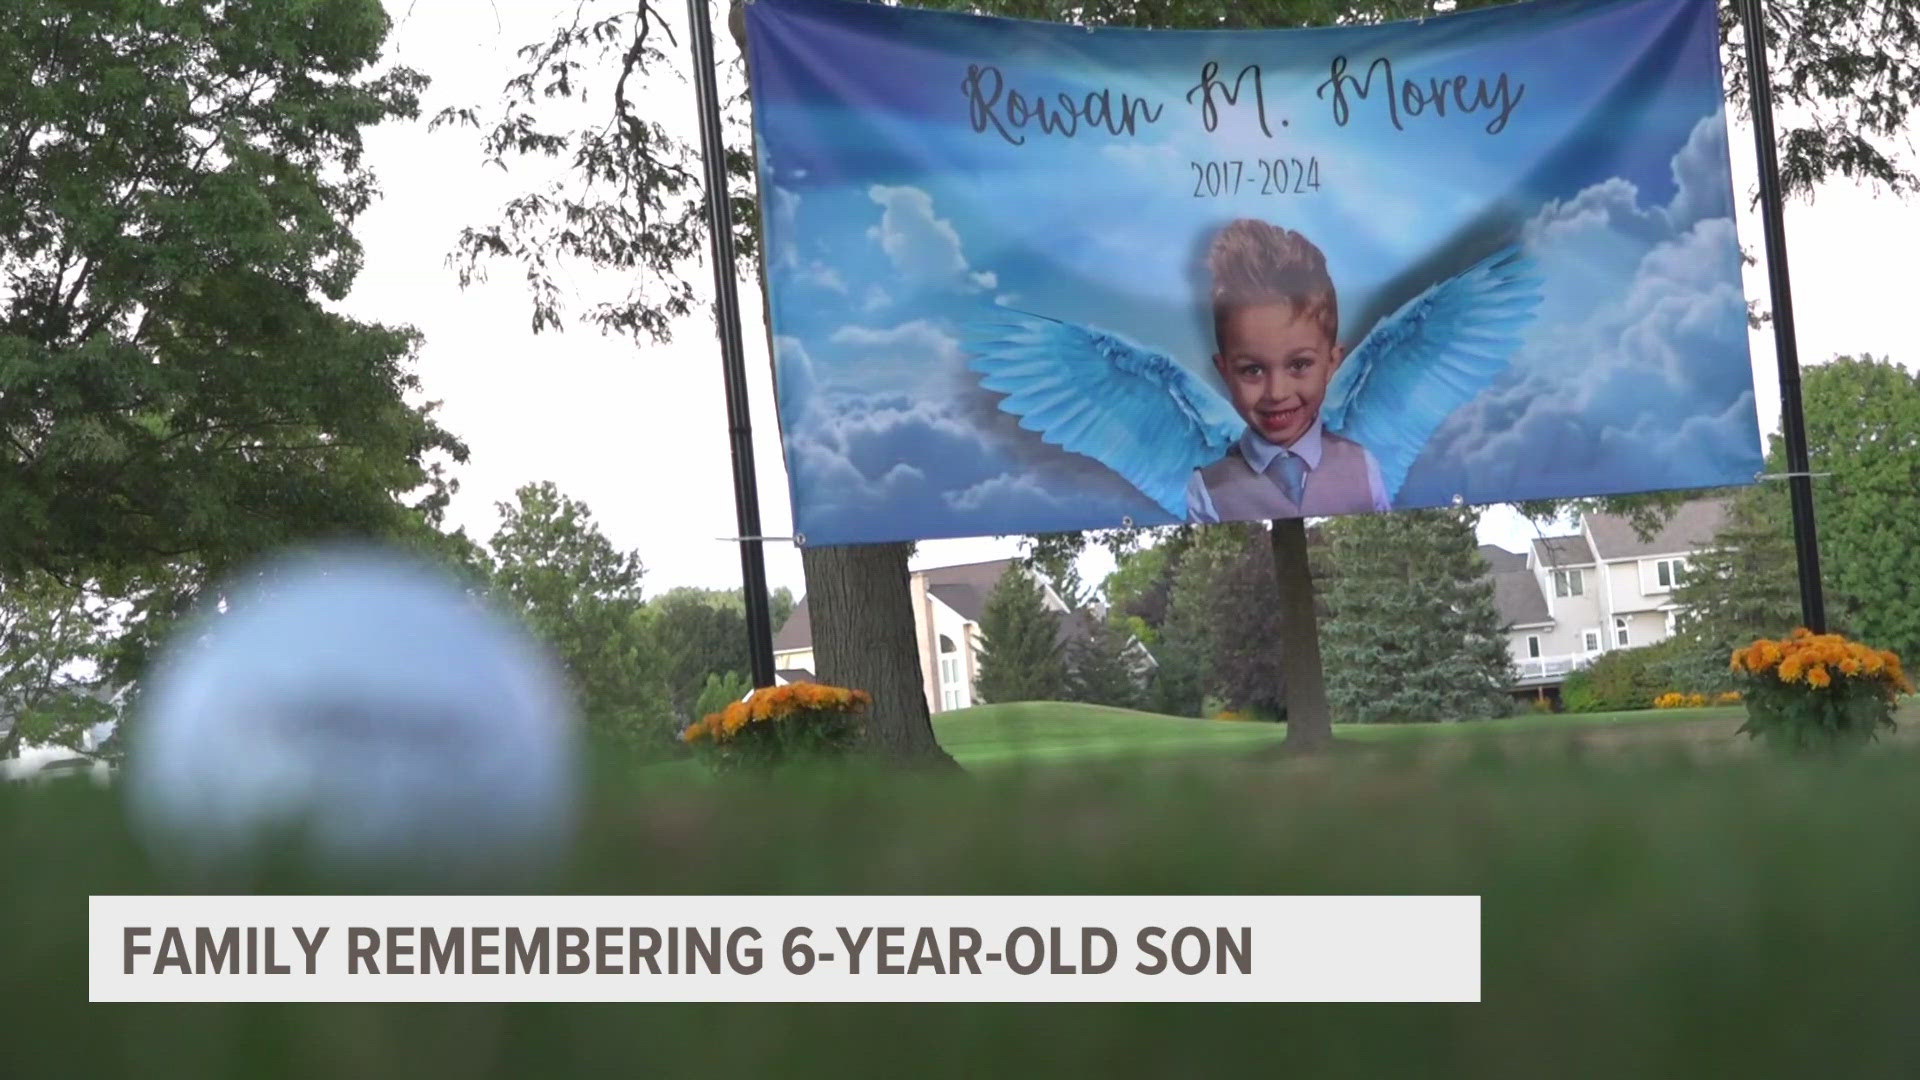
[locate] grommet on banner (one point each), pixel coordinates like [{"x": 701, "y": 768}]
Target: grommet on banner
[
  {"x": 1126, "y": 521},
  {"x": 1459, "y": 500},
  {"x": 799, "y": 539}
]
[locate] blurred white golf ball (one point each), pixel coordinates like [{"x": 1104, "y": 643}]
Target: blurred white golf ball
[{"x": 365, "y": 705}]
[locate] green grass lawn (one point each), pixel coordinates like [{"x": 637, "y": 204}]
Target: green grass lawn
[
  {"x": 1058, "y": 733},
  {"x": 1650, "y": 911},
  {"x": 1051, "y": 732}
]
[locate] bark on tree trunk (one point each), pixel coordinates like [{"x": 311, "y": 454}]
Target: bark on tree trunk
[
  {"x": 1309, "y": 721},
  {"x": 861, "y": 612}
]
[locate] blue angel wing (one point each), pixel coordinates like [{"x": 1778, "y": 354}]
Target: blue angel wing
[
  {"x": 1433, "y": 355},
  {"x": 1090, "y": 392}
]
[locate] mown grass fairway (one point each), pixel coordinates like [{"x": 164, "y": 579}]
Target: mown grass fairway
[
  {"x": 1052, "y": 732},
  {"x": 1652, "y": 911}
]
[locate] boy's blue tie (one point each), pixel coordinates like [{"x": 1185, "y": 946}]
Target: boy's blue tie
[{"x": 1289, "y": 471}]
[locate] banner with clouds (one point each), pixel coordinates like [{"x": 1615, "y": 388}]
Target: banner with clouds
[{"x": 1027, "y": 277}]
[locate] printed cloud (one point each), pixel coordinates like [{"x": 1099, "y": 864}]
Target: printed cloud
[
  {"x": 917, "y": 355},
  {"x": 1648, "y": 389},
  {"x": 1003, "y": 490},
  {"x": 786, "y": 224},
  {"x": 922, "y": 245},
  {"x": 935, "y": 466}
]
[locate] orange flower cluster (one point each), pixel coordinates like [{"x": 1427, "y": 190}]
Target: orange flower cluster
[
  {"x": 1676, "y": 700},
  {"x": 775, "y": 703},
  {"x": 1816, "y": 659}
]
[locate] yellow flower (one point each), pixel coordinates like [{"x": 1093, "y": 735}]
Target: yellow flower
[
  {"x": 734, "y": 717},
  {"x": 1791, "y": 667},
  {"x": 1819, "y": 659},
  {"x": 695, "y": 732}
]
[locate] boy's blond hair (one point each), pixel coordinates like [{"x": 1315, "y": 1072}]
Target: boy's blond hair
[{"x": 1254, "y": 262}]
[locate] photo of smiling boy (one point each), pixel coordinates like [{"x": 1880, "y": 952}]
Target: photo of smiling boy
[{"x": 1276, "y": 325}]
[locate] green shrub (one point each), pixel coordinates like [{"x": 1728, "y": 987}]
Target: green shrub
[
  {"x": 1577, "y": 694},
  {"x": 1631, "y": 678},
  {"x": 1689, "y": 667}
]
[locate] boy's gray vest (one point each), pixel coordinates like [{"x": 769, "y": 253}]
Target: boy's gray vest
[{"x": 1338, "y": 486}]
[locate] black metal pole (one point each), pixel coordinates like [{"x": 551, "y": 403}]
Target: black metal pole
[
  {"x": 726, "y": 304},
  {"x": 1793, "y": 424}
]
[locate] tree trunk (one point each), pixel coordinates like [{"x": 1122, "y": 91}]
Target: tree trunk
[
  {"x": 1309, "y": 721},
  {"x": 861, "y": 614}
]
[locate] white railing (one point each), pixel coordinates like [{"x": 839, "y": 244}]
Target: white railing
[{"x": 1550, "y": 667}]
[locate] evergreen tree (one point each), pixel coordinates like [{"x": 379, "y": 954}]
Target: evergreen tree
[
  {"x": 1185, "y": 641},
  {"x": 1413, "y": 633},
  {"x": 1057, "y": 565},
  {"x": 1742, "y": 585},
  {"x": 1222, "y": 635},
  {"x": 1101, "y": 666},
  {"x": 1021, "y": 656},
  {"x": 720, "y": 691}
]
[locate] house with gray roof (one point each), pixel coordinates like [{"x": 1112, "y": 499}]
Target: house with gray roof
[{"x": 1568, "y": 599}]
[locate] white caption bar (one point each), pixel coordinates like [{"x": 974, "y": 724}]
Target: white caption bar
[{"x": 784, "y": 948}]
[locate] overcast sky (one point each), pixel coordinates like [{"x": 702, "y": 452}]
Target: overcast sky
[{"x": 639, "y": 432}]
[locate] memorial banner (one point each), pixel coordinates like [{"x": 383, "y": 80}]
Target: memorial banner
[{"x": 1027, "y": 277}]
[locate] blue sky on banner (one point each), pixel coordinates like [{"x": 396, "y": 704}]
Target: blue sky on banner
[{"x": 894, "y": 223}]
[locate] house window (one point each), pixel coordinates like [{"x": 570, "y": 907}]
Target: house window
[
  {"x": 1670, "y": 573},
  {"x": 1567, "y": 583},
  {"x": 1533, "y": 646},
  {"x": 952, "y": 679},
  {"x": 1590, "y": 640},
  {"x": 1620, "y": 632}
]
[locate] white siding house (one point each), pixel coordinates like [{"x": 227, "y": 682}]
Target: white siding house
[{"x": 1568, "y": 599}]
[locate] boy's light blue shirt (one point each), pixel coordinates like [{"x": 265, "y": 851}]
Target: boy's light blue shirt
[{"x": 1260, "y": 454}]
